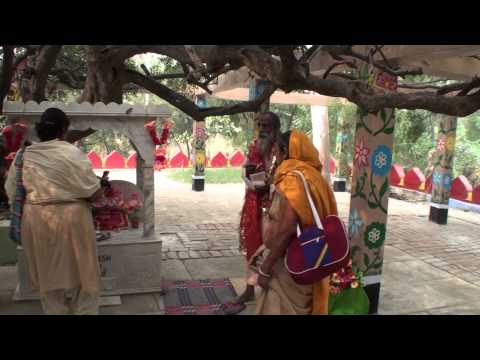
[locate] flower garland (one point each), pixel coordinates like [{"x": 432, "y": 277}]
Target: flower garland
[
  {"x": 166, "y": 126},
  {"x": 346, "y": 278},
  {"x": 160, "y": 142},
  {"x": 13, "y": 135},
  {"x": 133, "y": 204}
]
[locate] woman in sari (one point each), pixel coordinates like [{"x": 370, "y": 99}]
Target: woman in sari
[
  {"x": 280, "y": 295},
  {"x": 57, "y": 231}
]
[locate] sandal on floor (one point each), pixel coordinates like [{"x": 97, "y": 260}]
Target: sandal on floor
[{"x": 232, "y": 308}]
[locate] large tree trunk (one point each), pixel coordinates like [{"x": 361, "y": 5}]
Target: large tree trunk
[
  {"x": 35, "y": 75},
  {"x": 105, "y": 76},
  {"x": 7, "y": 73}
]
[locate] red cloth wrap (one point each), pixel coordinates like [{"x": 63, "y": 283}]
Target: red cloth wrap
[
  {"x": 250, "y": 218},
  {"x": 13, "y": 135}
]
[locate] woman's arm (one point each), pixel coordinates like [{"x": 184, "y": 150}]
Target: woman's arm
[
  {"x": 10, "y": 183},
  {"x": 278, "y": 228}
]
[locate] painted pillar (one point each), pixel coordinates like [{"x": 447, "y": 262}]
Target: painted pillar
[
  {"x": 321, "y": 137},
  {"x": 342, "y": 169},
  {"x": 255, "y": 89},
  {"x": 370, "y": 188},
  {"x": 199, "y": 157},
  {"x": 442, "y": 177}
]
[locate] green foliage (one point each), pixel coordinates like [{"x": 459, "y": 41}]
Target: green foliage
[
  {"x": 342, "y": 118},
  {"x": 104, "y": 142},
  {"x": 415, "y": 135},
  {"x": 294, "y": 117},
  {"x": 212, "y": 176},
  {"x": 472, "y": 127}
]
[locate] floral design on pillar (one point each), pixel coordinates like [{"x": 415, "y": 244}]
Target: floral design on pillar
[
  {"x": 372, "y": 163},
  {"x": 443, "y": 171}
]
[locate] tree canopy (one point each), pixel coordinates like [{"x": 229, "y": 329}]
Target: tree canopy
[{"x": 105, "y": 73}]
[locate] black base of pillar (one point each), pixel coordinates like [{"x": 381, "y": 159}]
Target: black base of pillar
[
  {"x": 198, "y": 184},
  {"x": 438, "y": 216},
  {"x": 373, "y": 293},
  {"x": 339, "y": 186}
]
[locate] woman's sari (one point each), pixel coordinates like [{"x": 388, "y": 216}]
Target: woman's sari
[{"x": 303, "y": 156}]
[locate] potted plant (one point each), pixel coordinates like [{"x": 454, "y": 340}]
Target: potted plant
[{"x": 347, "y": 293}]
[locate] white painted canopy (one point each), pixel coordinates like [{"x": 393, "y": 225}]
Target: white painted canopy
[
  {"x": 235, "y": 86},
  {"x": 124, "y": 118},
  {"x": 86, "y": 110}
]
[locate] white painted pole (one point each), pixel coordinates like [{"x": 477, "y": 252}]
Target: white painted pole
[{"x": 321, "y": 137}]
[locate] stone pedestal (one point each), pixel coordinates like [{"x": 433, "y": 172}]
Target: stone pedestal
[
  {"x": 129, "y": 264},
  {"x": 198, "y": 183},
  {"x": 438, "y": 215},
  {"x": 339, "y": 185}
]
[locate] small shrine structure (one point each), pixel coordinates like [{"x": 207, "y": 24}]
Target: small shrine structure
[{"x": 130, "y": 260}]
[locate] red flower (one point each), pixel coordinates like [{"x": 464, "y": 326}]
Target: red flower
[{"x": 361, "y": 154}]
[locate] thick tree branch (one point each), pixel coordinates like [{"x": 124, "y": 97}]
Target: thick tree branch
[
  {"x": 267, "y": 67},
  {"x": 308, "y": 54},
  {"x": 168, "y": 76},
  {"x": 241, "y": 107},
  {"x": 346, "y": 50},
  {"x": 69, "y": 78},
  {"x": 369, "y": 100},
  {"x": 287, "y": 55},
  {"x": 162, "y": 91},
  {"x": 334, "y": 65},
  {"x": 188, "y": 106}
]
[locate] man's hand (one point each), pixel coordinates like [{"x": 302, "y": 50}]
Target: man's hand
[{"x": 261, "y": 188}]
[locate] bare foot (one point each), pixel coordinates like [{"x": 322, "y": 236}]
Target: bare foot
[
  {"x": 237, "y": 305},
  {"x": 248, "y": 295}
]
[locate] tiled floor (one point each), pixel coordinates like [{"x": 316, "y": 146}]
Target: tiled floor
[{"x": 429, "y": 269}]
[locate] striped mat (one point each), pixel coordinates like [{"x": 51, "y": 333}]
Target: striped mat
[{"x": 197, "y": 297}]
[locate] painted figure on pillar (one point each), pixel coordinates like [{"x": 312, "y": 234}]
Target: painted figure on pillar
[
  {"x": 199, "y": 140},
  {"x": 370, "y": 186},
  {"x": 442, "y": 177},
  {"x": 442, "y": 174},
  {"x": 198, "y": 157}
]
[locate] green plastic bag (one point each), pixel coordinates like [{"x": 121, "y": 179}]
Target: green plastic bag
[{"x": 349, "y": 302}]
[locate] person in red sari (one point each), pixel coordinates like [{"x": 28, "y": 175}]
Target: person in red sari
[{"x": 259, "y": 159}]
